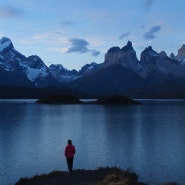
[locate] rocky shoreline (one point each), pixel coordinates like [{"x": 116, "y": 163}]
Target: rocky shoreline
[{"x": 100, "y": 176}]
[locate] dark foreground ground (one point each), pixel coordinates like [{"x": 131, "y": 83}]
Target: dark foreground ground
[{"x": 101, "y": 176}]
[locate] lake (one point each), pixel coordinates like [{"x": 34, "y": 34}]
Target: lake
[{"x": 148, "y": 138}]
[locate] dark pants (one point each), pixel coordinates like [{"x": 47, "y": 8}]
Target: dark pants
[{"x": 70, "y": 164}]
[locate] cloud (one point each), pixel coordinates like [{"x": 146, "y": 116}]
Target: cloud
[
  {"x": 81, "y": 46},
  {"x": 124, "y": 35},
  {"x": 78, "y": 45},
  {"x": 148, "y": 4},
  {"x": 9, "y": 12},
  {"x": 67, "y": 23},
  {"x": 53, "y": 41},
  {"x": 95, "y": 52},
  {"x": 151, "y": 33}
]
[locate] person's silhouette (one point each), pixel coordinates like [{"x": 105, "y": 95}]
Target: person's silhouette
[{"x": 69, "y": 153}]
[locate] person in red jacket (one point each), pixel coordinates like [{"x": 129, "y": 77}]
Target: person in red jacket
[{"x": 69, "y": 153}]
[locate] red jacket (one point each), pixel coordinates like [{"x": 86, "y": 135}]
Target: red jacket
[{"x": 70, "y": 151}]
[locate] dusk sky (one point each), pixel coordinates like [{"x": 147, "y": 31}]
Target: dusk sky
[{"x": 76, "y": 32}]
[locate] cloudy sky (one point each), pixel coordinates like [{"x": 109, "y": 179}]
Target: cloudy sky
[{"x": 76, "y": 32}]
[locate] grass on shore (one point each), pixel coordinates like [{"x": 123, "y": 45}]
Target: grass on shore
[{"x": 100, "y": 176}]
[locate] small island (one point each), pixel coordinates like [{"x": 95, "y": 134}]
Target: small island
[
  {"x": 68, "y": 99},
  {"x": 116, "y": 99}
]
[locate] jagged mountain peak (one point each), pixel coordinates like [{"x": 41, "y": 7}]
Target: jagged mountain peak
[
  {"x": 4, "y": 40},
  {"x": 125, "y": 48},
  {"x": 180, "y": 57},
  {"x": 5, "y": 43},
  {"x": 172, "y": 56},
  {"x": 113, "y": 49},
  {"x": 54, "y": 67},
  {"x": 88, "y": 68},
  {"x": 149, "y": 51},
  {"x": 35, "y": 61},
  {"x": 34, "y": 58},
  {"x": 61, "y": 74},
  {"x": 181, "y": 51},
  {"x": 125, "y": 56},
  {"x": 128, "y": 46},
  {"x": 163, "y": 54}
]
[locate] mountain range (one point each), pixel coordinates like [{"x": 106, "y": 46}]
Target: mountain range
[{"x": 155, "y": 75}]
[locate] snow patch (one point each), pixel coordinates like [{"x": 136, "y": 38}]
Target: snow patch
[
  {"x": 4, "y": 43},
  {"x": 91, "y": 67},
  {"x": 33, "y": 73},
  {"x": 8, "y": 68},
  {"x": 18, "y": 59},
  {"x": 153, "y": 53},
  {"x": 183, "y": 61},
  {"x": 69, "y": 78}
]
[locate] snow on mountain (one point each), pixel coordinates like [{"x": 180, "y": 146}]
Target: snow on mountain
[
  {"x": 88, "y": 68},
  {"x": 1, "y": 57},
  {"x": 5, "y": 43},
  {"x": 66, "y": 76},
  {"x": 32, "y": 69},
  {"x": 62, "y": 74},
  {"x": 160, "y": 63},
  {"x": 120, "y": 70},
  {"x": 34, "y": 73},
  {"x": 36, "y": 68}
]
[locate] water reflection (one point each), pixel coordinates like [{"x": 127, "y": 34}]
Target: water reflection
[{"x": 149, "y": 138}]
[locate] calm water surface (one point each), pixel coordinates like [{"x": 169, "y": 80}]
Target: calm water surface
[{"x": 149, "y": 138}]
